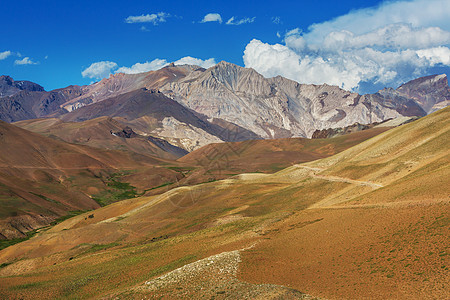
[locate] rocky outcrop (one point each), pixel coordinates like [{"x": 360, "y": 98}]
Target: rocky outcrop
[
  {"x": 278, "y": 107},
  {"x": 332, "y": 132},
  {"x": 227, "y": 96},
  {"x": 127, "y": 133}
]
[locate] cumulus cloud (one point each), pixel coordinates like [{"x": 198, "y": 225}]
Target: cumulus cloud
[
  {"x": 25, "y": 61},
  {"x": 188, "y": 60},
  {"x": 103, "y": 69},
  {"x": 157, "y": 64},
  {"x": 148, "y": 18},
  {"x": 4, "y": 54},
  {"x": 438, "y": 55},
  {"x": 418, "y": 13},
  {"x": 276, "y": 20},
  {"x": 233, "y": 21},
  {"x": 212, "y": 17},
  {"x": 375, "y": 47},
  {"x": 143, "y": 67},
  {"x": 99, "y": 70}
]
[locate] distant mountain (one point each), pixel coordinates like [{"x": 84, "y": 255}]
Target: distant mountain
[
  {"x": 150, "y": 112},
  {"x": 278, "y": 107},
  {"x": 103, "y": 132},
  {"x": 430, "y": 92},
  {"x": 9, "y": 87},
  {"x": 28, "y": 104},
  {"x": 225, "y": 103}
]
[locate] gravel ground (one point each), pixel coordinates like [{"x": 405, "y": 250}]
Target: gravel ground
[{"x": 213, "y": 277}]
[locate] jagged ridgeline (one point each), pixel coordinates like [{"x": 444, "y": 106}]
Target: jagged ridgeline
[{"x": 190, "y": 107}]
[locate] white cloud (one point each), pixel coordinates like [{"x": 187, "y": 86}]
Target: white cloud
[
  {"x": 188, "y": 60},
  {"x": 4, "y": 54},
  {"x": 143, "y": 67},
  {"x": 276, "y": 20},
  {"x": 103, "y": 69},
  {"x": 392, "y": 36},
  {"x": 386, "y": 46},
  {"x": 233, "y": 21},
  {"x": 25, "y": 61},
  {"x": 438, "y": 55},
  {"x": 99, "y": 70},
  {"x": 417, "y": 13},
  {"x": 148, "y": 18},
  {"x": 157, "y": 64},
  {"x": 212, "y": 17}
]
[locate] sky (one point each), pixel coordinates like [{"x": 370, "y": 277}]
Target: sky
[{"x": 360, "y": 46}]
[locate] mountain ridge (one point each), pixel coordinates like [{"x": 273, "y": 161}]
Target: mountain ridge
[{"x": 241, "y": 97}]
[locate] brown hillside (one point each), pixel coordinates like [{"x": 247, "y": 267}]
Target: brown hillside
[
  {"x": 97, "y": 133},
  {"x": 369, "y": 222},
  {"x": 218, "y": 161},
  {"x": 42, "y": 178}
]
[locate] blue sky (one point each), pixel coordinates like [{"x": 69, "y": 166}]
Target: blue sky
[{"x": 352, "y": 44}]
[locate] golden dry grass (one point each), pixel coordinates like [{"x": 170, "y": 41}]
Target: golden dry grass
[{"x": 369, "y": 222}]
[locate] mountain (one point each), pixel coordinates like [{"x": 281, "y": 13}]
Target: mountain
[
  {"x": 9, "y": 87},
  {"x": 150, "y": 112},
  {"x": 431, "y": 92},
  {"x": 42, "y": 179},
  {"x": 278, "y": 107},
  {"x": 30, "y": 104},
  {"x": 227, "y": 97},
  {"x": 103, "y": 132},
  {"x": 120, "y": 83},
  {"x": 369, "y": 222}
]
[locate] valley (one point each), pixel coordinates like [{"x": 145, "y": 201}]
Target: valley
[
  {"x": 370, "y": 221},
  {"x": 188, "y": 182}
]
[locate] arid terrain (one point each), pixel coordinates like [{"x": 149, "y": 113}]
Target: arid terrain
[
  {"x": 221, "y": 150},
  {"x": 368, "y": 222}
]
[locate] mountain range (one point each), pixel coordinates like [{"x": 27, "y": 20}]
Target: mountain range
[
  {"x": 219, "y": 183},
  {"x": 189, "y": 106},
  {"x": 369, "y": 222}
]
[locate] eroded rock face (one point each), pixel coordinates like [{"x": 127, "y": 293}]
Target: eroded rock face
[
  {"x": 278, "y": 107},
  {"x": 9, "y": 86},
  {"x": 256, "y": 106},
  {"x": 430, "y": 92}
]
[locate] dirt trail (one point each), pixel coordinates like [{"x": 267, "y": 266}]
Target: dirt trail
[
  {"x": 340, "y": 179},
  {"x": 396, "y": 204}
]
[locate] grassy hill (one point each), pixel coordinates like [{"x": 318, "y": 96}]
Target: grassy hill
[{"x": 369, "y": 222}]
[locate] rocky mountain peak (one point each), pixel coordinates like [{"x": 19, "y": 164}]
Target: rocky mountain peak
[
  {"x": 237, "y": 78},
  {"x": 431, "y": 92},
  {"x": 432, "y": 81},
  {"x": 9, "y": 87}
]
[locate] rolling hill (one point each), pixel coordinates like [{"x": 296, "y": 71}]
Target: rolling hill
[
  {"x": 369, "y": 222},
  {"x": 42, "y": 179},
  {"x": 103, "y": 132}
]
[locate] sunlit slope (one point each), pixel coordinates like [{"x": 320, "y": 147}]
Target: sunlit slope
[
  {"x": 42, "y": 179},
  {"x": 411, "y": 162},
  {"x": 95, "y": 133},
  {"x": 268, "y": 156},
  {"x": 364, "y": 223}
]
